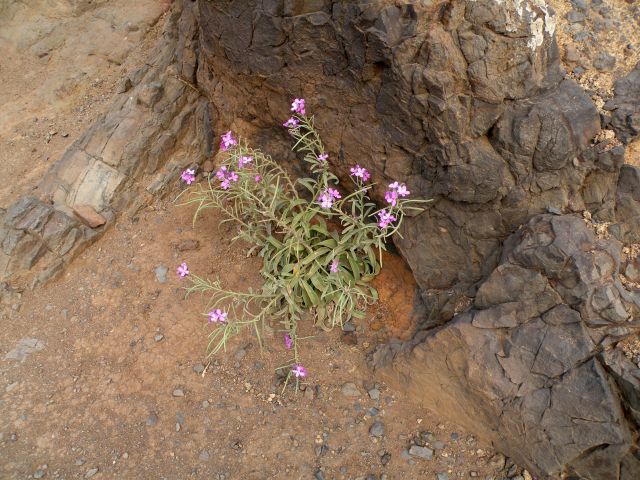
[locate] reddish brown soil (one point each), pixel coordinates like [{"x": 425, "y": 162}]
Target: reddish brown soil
[{"x": 87, "y": 395}]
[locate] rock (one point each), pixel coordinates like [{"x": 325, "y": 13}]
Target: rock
[
  {"x": 152, "y": 419},
  {"x": 604, "y": 61},
  {"x": 626, "y": 106},
  {"x": 575, "y": 17},
  {"x": 438, "y": 445},
  {"x": 348, "y": 326},
  {"x": 204, "y": 456},
  {"x": 25, "y": 347},
  {"x": 421, "y": 452},
  {"x": 178, "y": 392},
  {"x": 442, "y": 476},
  {"x": 124, "y": 85},
  {"x": 319, "y": 475},
  {"x": 161, "y": 273},
  {"x": 349, "y": 389},
  {"x": 374, "y": 394},
  {"x": 89, "y": 216},
  {"x": 373, "y": 411},
  {"x": 376, "y": 430},
  {"x": 385, "y": 458},
  {"x": 158, "y": 337},
  {"x": 39, "y": 474},
  {"x": 207, "y": 166},
  {"x": 308, "y": 393},
  {"x": 188, "y": 245},
  {"x": 198, "y": 368},
  {"x": 571, "y": 54},
  {"x": 91, "y": 472},
  {"x": 80, "y": 462},
  {"x": 571, "y": 307}
]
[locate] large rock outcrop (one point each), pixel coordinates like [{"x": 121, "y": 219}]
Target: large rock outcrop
[
  {"x": 465, "y": 101},
  {"x": 625, "y": 106},
  {"x": 531, "y": 365}
]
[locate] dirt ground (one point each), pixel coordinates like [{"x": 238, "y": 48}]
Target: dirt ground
[
  {"x": 115, "y": 379},
  {"x": 61, "y": 62}
]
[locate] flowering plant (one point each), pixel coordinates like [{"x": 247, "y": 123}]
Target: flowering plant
[{"x": 320, "y": 250}]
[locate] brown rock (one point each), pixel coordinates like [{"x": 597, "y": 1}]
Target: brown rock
[
  {"x": 571, "y": 54},
  {"x": 207, "y": 166},
  {"x": 89, "y": 216},
  {"x": 189, "y": 244}
]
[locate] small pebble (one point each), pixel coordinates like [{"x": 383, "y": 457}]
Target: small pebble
[
  {"x": 198, "y": 368},
  {"x": 442, "y": 476},
  {"x": 377, "y": 429},
  {"x": 39, "y": 474},
  {"x": 152, "y": 420},
  {"x": 349, "y": 389},
  {"x": 374, "y": 394},
  {"x": 158, "y": 337},
  {"x": 421, "y": 452},
  {"x": 178, "y": 392},
  {"x": 161, "y": 273},
  {"x": 204, "y": 456},
  {"x": 91, "y": 472}
]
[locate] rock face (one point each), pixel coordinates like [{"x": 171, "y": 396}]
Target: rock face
[
  {"x": 155, "y": 127},
  {"x": 530, "y": 365},
  {"x": 464, "y": 101},
  {"x": 625, "y": 106}
]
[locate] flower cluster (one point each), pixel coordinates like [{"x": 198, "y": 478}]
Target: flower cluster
[
  {"x": 226, "y": 177},
  {"x": 333, "y": 268},
  {"x": 298, "y": 106},
  {"x": 227, "y": 141},
  {"x": 188, "y": 176},
  {"x": 217, "y": 316},
  {"x": 360, "y": 172},
  {"x": 328, "y": 197},
  {"x": 244, "y": 161},
  {"x": 396, "y": 190},
  {"x": 385, "y": 219}
]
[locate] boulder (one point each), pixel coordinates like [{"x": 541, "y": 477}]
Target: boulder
[
  {"x": 625, "y": 106},
  {"x": 532, "y": 365}
]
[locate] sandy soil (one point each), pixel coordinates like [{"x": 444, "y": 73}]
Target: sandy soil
[
  {"x": 60, "y": 65},
  {"x": 99, "y": 390}
]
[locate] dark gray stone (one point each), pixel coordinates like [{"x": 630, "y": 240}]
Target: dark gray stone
[{"x": 626, "y": 106}]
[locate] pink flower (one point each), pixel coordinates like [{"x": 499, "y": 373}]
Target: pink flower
[
  {"x": 291, "y": 123},
  {"x": 298, "y": 106},
  {"x": 182, "y": 270},
  {"x": 333, "y": 268},
  {"x": 233, "y": 176},
  {"x": 288, "y": 342},
  {"x": 360, "y": 172},
  {"x": 244, "y": 161},
  {"x": 217, "y": 316},
  {"x": 257, "y": 178},
  {"x": 385, "y": 218},
  {"x": 325, "y": 200},
  {"x": 400, "y": 188},
  {"x": 323, "y": 157},
  {"x": 222, "y": 172},
  {"x": 225, "y": 184},
  {"x": 188, "y": 176},
  {"x": 299, "y": 371},
  {"x": 228, "y": 141},
  {"x": 391, "y": 196},
  {"x": 333, "y": 192}
]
